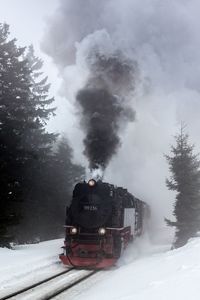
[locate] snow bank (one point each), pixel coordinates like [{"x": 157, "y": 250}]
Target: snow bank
[
  {"x": 153, "y": 274},
  {"x": 26, "y": 263}
]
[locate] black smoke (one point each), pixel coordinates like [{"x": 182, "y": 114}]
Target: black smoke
[
  {"x": 104, "y": 104},
  {"x": 88, "y": 37}
]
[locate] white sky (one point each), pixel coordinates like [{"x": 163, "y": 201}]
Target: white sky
[{"x": 27, "y": 20}]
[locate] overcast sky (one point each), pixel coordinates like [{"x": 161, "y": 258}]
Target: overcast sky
[
  {"x": 28, "y": 21},
  {"x": 27, "y": 18}
]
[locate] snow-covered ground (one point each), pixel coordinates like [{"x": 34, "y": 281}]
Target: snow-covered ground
[
  {"x": 27, "y": 264},
  {"x": 144, "y": 272}
]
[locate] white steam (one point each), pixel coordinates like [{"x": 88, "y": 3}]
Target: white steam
[
  {"x": 97, "y": 174},
  {"x": 163, "y": 38}
]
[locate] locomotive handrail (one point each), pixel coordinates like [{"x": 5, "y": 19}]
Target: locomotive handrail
[
  {"x": 115, "y": 228},
  {"x": 109, "y": 228}
]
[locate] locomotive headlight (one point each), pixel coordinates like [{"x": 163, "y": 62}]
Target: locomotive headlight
[
  {"x": 73, "y": 230},
  {"x": 91, "y": 182},
  {"x": 102, "y": 231}
]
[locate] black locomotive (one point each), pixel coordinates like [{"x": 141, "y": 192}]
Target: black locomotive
[{"x": 100, "y": 222}]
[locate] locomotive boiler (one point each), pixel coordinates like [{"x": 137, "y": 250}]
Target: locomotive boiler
[{"x": 100, "y": 222}]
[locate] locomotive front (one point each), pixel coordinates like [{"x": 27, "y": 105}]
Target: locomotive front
[
  {"x": 89, "y": 240},
  {"x": 100, "y": 222}
]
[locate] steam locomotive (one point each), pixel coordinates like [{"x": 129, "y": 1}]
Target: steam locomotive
[{"x": 100, "y": 222}]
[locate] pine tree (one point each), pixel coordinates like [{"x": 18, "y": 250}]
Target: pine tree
[
  {"x": 51, "y": 193},
  {"x": 41, "y": 143},
  {"x": 13, "y": 91},
  {"x": 66, "y": 175},
  {"x": 35, "y": 179},
  {"x": 66, "y": 171},
  {"x": 24, "y": 142},
  {"x": 184, "y": 166},
  {"x": 37, "y": 140}
]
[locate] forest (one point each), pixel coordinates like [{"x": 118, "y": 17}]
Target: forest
[{"x": 37, "y": 172}]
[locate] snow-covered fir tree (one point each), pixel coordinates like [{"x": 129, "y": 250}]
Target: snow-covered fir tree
[{"x": 184, "y": 166}]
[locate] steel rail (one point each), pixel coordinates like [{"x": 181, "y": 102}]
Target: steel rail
[
  {"x": 20, "y": 291},
  {"x": 67, "y": 287}
]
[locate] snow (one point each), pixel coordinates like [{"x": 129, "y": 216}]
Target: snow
[
  {"x": 47, "y": 290},
  {"x": 27, "y": 264},
  {"x": 145, "y": 271}
]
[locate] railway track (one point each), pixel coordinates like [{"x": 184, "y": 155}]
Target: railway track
[{"x": 52, "y": 286}]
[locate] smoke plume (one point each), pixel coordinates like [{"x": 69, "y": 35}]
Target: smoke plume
[
  {"x": 142, "y": 56},
  {"x": 106, "y": 95},
  {"x": 105, "y": 104}
]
